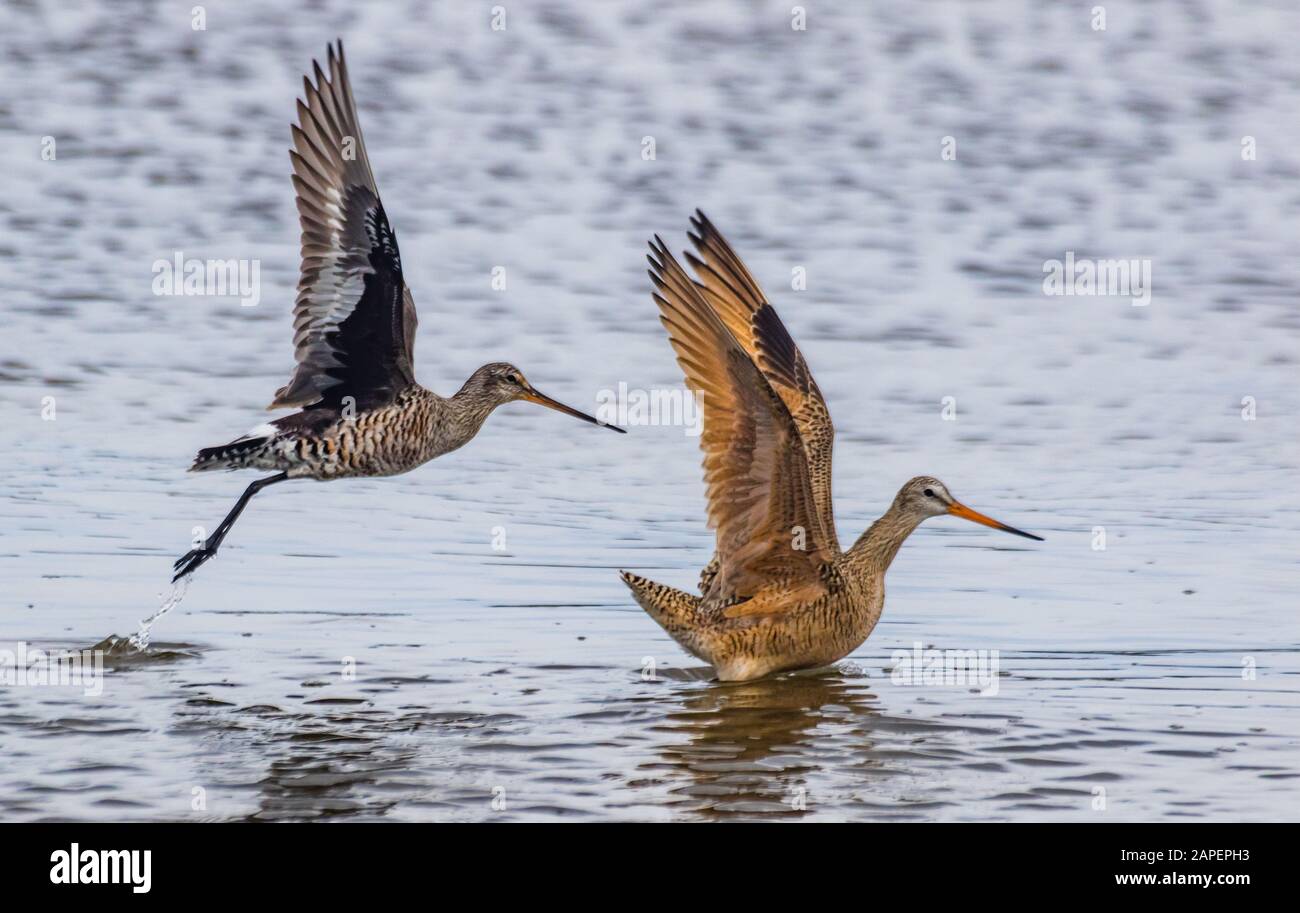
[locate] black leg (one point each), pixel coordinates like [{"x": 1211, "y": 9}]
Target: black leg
[{"x": 192, "y": 559}]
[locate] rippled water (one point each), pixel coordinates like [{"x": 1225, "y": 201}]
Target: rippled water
[{"x": 511, "y": 684}]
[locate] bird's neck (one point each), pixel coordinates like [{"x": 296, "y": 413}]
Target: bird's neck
[
  {"x": 470, "y": 407},
  {"x": 875, "y": 549}
]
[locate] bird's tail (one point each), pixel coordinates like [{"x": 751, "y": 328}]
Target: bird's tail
[
  {"x": 676, "y": 611},
  {"x": 238, "y": 454}
]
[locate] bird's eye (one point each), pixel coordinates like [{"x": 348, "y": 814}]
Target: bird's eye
[
  {"x": 512, "y": 378},
  {"x": 929, "y": 492}
]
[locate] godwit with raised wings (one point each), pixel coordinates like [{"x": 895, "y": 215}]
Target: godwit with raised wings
[
  {"x": 779, "y": 594},
  {"x": 362, "y": 413}
]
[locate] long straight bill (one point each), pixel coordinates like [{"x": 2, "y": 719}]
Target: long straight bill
[
  {"x": 961, "y": 510},
  {"x": 542, "y": 399}
]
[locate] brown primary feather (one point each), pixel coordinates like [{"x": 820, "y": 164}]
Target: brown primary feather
[
  {"x": 755, "y": 468},
  {"x": 738, "y": 300}
]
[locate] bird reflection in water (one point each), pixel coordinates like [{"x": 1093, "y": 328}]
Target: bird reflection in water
[{"x": 753, "y": 749}]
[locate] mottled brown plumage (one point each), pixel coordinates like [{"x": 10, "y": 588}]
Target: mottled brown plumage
[
  {"x": 735, "y": 296},
  {"x": 362, "y": 412},
  {"x": 779, "y": 593}
]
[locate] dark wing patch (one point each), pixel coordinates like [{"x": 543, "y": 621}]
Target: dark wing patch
[
  {"x": 735, "y": 296},
  {"x": 354, "y": 320},
  {"x": 755, "y": 469}
]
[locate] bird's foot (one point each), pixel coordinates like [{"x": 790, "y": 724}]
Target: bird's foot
[{"x": 190, "y": 561}]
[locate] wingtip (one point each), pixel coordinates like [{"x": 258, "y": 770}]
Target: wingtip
[
  {"x": 663, "y": 261},
  {"x": 658, "y": 259},
  {"x": 334, "y": 62}
]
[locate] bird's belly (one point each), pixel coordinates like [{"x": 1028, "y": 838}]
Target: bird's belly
[
  {"x": 364, "y": 467},
  {"x": 807, "y": 638}
]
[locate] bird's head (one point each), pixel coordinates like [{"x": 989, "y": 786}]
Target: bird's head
[
  {"x": 925, "y": 497},
  {"x": 501, "y": 382}
]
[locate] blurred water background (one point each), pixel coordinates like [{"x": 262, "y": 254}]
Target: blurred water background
[{"x": 1157, "y": 678}]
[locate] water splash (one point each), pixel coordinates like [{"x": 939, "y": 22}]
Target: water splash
[
  {"x": 122, "y": 652},
  {"x": 140, "y": 639}
]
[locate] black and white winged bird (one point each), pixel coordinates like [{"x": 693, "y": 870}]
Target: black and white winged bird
[{"x": 361, "y": 413}]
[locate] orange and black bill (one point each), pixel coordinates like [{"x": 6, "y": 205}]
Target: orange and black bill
[
  {"x": 958, "y": 509},
  {"x": 542, "y": 399}
]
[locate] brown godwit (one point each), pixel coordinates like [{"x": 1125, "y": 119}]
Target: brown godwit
[
  {"x": 362, "y": 413},
  {"x": 779, "y": 594}
]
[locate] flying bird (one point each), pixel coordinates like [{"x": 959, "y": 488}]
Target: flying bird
[
  {"x": 361, "y": 412},
  {"x": 779, "y": 594}
]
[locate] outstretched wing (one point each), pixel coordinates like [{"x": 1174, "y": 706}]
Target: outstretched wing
[
  {"x": 755, "y": 468},
  {"x": 354, "y": 320},
  {"x": 735, "y": 296}
]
